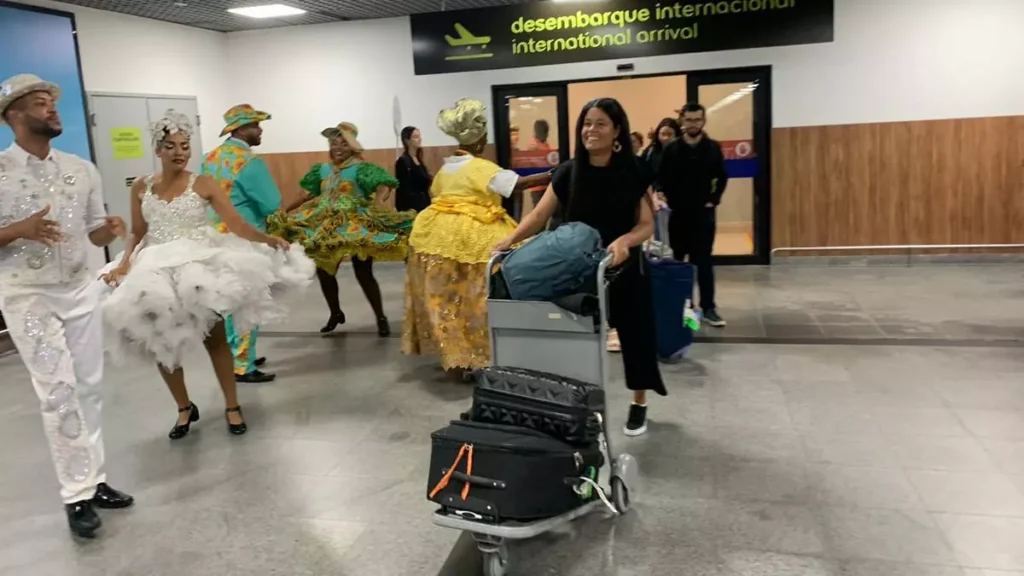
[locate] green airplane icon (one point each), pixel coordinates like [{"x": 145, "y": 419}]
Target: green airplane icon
[{"x": 468, "y": 40}]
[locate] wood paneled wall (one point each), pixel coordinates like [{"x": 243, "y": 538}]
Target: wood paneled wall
[
  {"x": 289, "y": 168},
  {"x": 957, "y": 181}
]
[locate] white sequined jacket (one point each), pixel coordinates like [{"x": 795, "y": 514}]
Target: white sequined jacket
[{"x": 71, "y": 187}]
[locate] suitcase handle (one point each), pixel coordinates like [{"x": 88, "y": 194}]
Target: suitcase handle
[{"x": 477, "y": 480}]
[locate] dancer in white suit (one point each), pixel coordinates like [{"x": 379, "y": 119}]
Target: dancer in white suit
[{"x": 51, "y": 210}]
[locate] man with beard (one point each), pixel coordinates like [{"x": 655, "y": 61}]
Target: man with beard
[
  {"x": 247, "y": 180},
  {"x": 692, "y": 177},
  {"x": 51, "y": 206}
]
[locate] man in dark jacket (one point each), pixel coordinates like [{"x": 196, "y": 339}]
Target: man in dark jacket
[{"x": 693, "y": 179}]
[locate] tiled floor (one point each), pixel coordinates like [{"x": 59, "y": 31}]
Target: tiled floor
[
  {"x": 765, "y": 460},
  {"x": 911, "y": 305}
]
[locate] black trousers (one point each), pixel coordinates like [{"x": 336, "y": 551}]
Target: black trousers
[
  {"x": 692, "y": 233},
  {"x": 631, "y": 311}
]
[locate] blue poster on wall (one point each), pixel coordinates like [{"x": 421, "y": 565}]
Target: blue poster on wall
[{"x": 42, "y": 42}]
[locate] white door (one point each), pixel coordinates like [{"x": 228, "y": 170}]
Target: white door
[{"x": 122, "y": 142}]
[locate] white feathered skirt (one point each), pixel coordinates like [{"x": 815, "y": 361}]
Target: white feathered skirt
[{"x": 176, "y": 292}]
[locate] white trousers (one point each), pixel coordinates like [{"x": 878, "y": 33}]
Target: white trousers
[{"x": 58, "y": 332}]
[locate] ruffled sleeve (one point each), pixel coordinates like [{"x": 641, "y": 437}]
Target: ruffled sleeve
[
  {"x": 311, "y": 181},
  {"x": 369, "y": 177}
]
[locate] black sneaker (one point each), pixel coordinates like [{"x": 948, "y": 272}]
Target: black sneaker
[
  {"x": 637, "y": 422},
  {"x": 712, "y": 318}
]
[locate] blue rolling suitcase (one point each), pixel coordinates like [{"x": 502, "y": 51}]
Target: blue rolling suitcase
[{"x": 671, "y": 292}]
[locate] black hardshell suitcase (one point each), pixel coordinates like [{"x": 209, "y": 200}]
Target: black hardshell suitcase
[
  {"x": 516, "y": 474},
  {"x": 561, "y": 407}
]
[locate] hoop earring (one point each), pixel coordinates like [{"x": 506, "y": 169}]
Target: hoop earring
[{"x": 616, "y": 147}]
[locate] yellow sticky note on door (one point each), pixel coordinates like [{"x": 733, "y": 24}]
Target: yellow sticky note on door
[{"x": 127, "y": 143}]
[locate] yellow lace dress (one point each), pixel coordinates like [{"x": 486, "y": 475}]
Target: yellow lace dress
[{"x": 446, "y": 273}]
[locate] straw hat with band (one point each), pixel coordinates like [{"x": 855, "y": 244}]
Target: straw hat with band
[
  {"x": 22, "y": 85},
  {"x": 242, "y": 115},
  {"x": 348, "y": 131}
]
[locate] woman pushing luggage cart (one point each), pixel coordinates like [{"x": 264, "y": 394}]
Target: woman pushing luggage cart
[{"x": 605, "y": 187}]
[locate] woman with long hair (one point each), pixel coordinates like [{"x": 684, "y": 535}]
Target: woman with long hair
[
  {"x": 413, "y": 176},
  {"x": 342, "y": 214},
  {"x": 179, "y": 277},
  {"x": 667, "y": 131},
  {"x": 605, "y": 187},
  {"x": 450, "y": 245}
]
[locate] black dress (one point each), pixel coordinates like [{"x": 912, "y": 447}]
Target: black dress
[
  {"x": 609, "y": 201},
  {"x": 413, "y": 184}
]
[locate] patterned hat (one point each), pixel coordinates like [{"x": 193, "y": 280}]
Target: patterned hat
[
  {"x": 242, "y": 115},
  {"x": 21, "y": 85},
  {"x": 346, "y": 130}
]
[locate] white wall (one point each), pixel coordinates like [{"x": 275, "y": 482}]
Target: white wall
[
  {"x": 135, "y": 55},
  {"x": 892, "y": 60}
]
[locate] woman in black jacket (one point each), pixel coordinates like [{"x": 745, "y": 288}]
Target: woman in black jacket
[
  {"x": 667, "y": 131},
  {"x": 413, "y": 177}
]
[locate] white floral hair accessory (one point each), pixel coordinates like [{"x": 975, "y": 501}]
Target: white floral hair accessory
[{"x": 173, "y": 122}]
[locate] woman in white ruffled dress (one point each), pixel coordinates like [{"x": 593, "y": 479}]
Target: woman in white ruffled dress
[{"x": 179, "y": 277}]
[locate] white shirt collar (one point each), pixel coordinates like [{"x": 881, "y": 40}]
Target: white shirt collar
[
  {"x": 22, "y": 156},
  {"x": 457, "y": 158}
]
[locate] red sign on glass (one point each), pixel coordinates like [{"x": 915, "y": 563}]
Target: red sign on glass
[{"x": 738, "y": 149}]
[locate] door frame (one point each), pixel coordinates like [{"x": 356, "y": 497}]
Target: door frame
[
  {"x": 694, "y": 78},
  {"x": 762, "y": 146},
  {"x": 499, "y": 96}
]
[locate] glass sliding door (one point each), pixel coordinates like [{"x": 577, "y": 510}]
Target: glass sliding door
[
  {"x": 738, "y": 104},
  {"x": 532, "y": 134}
]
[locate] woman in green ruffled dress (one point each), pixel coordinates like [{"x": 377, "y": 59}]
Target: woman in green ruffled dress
[{"x": 344, "y": 214}]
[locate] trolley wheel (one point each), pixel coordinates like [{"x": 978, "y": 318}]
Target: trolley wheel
[
  {"x": 620, "y": 495},
  {"x": 494, "y": 564}
]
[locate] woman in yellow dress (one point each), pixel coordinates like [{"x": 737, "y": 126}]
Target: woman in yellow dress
[{"x": 451, "y": 242}]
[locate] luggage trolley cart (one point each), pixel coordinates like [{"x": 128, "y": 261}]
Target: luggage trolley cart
[{"x": 543, "y": 337}]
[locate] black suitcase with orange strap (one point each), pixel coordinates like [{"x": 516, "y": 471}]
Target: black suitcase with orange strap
[{"x": 495, "y": 473}]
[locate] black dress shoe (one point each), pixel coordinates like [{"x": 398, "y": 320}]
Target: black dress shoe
[
  {"x": 236, "y": 429},
  {"x": 333, "y": 322},
  {"x": 181, "y": 430},
  {"x": 383, "y": 327},
  {"x": 260, "y": 361},
  {"x": 255, "y": 377},
  {"x": 82, "y": 519},
  {"x": 109, "y": 499}
]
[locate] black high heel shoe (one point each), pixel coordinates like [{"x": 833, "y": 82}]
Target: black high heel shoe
[
  {"x": 236, "y": 429},
  {"x": 383, "y": 327},
  {"x": 181, "y": 430},
  {"x": 333, "y": 322}
]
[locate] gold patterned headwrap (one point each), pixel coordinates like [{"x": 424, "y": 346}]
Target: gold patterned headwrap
[{"x": 466, "y": 122}]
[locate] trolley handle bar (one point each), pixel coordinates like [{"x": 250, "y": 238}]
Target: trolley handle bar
[{"x": 496, "y": 259}]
